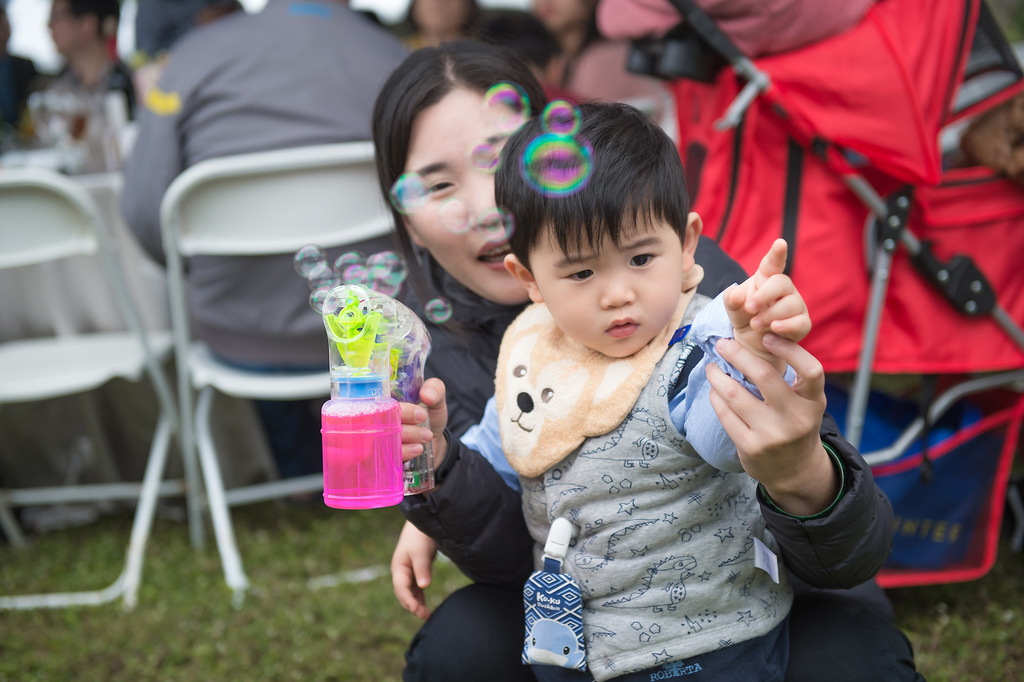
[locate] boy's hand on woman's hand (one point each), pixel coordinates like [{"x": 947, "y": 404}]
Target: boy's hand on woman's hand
[
  {"x": 768, "y": 302},
  {"x": 414, "y": 436},
  {"x": 411, "y": 569},
  {"x": 777, "y": 440}
]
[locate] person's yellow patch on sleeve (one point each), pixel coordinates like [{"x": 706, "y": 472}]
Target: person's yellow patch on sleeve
[{"x": 162, "y": 103}]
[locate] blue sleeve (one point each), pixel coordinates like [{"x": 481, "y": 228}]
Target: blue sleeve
[
  {"x": 691, "y": 409},
  {"x": 485, "y": 438}
]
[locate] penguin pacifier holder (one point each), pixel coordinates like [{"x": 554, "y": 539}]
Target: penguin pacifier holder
[{"x": 554, "y": 608}]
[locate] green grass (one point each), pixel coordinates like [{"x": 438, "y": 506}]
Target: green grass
[{"x": 186, "y": 629}]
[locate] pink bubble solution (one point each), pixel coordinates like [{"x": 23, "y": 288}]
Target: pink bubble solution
[{"x": 362, "y": 446}]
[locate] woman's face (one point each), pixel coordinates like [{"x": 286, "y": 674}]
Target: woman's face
[
  {"x": 559, "y": 16},
  {"x": 440, "y": 17},
  {"x": 458, "y": 194}
]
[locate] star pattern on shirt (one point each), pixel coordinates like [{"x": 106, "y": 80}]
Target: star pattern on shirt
[
  {"x": 704, "y": 577},
  {"x": 670, "y": 517},
  {"x": 639, "y": 552},
  {"x": 661, "y": 656},
  {"x": 745, "y": 617},
  {"x": 628, "y": 507},
  {"x": 724, "y": 533}
]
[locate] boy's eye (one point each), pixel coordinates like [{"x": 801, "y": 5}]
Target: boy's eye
[
  {"x": 439, "y": 187},
  {"x": 581, "y": 275},
  {"x": 642, "y": 259}
]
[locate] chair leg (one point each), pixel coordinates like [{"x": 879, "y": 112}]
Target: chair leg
[
  {"x": 143, "y": 522},
  {"x": 127, "y": 583},
  {"x": 231, "y": 560},
  {"x": 9, "y": 524}
]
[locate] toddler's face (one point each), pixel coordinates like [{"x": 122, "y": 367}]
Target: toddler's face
[{"x": 613, "y": 300}]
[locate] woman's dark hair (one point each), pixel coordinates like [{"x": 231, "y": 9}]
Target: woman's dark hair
[
  {"x": 636, "y": 179},
  {"x": 420, "y": 82}
]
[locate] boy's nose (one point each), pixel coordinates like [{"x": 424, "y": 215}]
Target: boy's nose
[{"x": 617, "y": 295}]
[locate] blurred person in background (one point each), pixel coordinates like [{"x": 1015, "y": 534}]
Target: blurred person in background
[
  {"x": 298, "y": 73},
  {"x": 592, "y": 66},
  {"x": 16, "y": 76},
  {"x": 84, "y": 33},
  {"x": 432, "y": 22},
  {"x": 524, "y": 35}
]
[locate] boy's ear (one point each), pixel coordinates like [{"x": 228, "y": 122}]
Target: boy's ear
[
  {"x": 523, "y": 275},
  {"x": 694, "y": 226}
]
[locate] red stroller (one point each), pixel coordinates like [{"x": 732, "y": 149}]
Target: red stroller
[{"x": 839, "y": 148}]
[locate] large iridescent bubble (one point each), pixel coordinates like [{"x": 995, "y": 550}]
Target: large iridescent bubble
[{"x": 557, "y": 165}]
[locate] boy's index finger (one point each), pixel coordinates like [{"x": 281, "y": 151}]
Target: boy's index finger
[{"x": 774, "y": 262}]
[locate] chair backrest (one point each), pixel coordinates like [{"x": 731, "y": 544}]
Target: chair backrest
[
  {"x": 275, "y": 202},
  {"x": 44, "y": 217}
]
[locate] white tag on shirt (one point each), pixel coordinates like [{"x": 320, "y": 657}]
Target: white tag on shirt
[{"x": 766, "y": 560}]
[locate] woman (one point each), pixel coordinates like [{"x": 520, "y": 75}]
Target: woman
[
  {"x": 592, "y": 66},
  {"x": 431, "y": 112},
  {"x": 433, "y": 22}
]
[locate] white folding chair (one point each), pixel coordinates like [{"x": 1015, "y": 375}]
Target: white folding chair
[
  {"x": 246, "y": 205},
  {"x": 45, "y": 217}
]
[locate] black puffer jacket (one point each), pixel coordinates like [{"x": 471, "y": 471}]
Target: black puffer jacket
[{"x": 477, "y": 520}]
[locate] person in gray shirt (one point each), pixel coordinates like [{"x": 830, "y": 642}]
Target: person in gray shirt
[{"x": 299, "y": 73}]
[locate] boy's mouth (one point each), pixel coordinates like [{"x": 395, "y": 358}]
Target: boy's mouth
[
  {"x": 495, "y": 253},
  {"x": 621, "y": 330}
]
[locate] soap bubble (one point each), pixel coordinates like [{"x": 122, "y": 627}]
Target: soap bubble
[
  {"x": 409, "y": 193},
  {"x": 507, "y": 107},
  {"x": 561, "y": 118},
  {"x": 307, "y": 258},
  {"x": 387, "y": 288},
  {"x": 386, "y": 267},
  {"x": 484, "y": 156},
  {"x": 322, "y": 275},
  {"x": 497, "y": 224},
  {"x": 556, "y": 165},
  {"x": 347, "y": 259},
  {"x": 319, "y": 297},
  {"x": 454, "y": 216},
  {"x": 356, "y": 273},
  {"x": 438, "y": 310}
]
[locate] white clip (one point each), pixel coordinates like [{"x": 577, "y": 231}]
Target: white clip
[{"x": 559, "y": 537}]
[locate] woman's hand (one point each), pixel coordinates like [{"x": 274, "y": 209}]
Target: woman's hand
[
  {"x": 410, "y": 569},
  {"x": 777, "y": 440},
  {"x": 434, "y": 407}
]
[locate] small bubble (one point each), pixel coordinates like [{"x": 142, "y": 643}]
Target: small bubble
[
  {"x": 497, "y": 224},
  {"x": 507, "y": 107},
  {"x": 454, "y": 216},
  {"x": 409, "y": 193},
  {"x": 484, "y": 156},
  {"x": 561, "y": 118},
  {"x": 556, "y": 165},
  {"x": 322, "y": 275},
  {"x": 318, "y": 298},
  {"x": 307, "y": 258},
  {"x": 347, "y": 259},
  {"x": 387, "y": 288},
  {"x": 438, "y": 310}
]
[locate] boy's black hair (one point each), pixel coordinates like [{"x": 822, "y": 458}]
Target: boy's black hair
[
  {"x": 636, "y": 179},
  {"x": 101, "y": 8}
]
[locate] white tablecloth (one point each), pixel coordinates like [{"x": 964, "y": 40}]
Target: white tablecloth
[{"x": 48, "y": 442}]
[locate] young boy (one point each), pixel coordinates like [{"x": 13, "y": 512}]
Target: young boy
[{"x": 607, "y": 416}]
